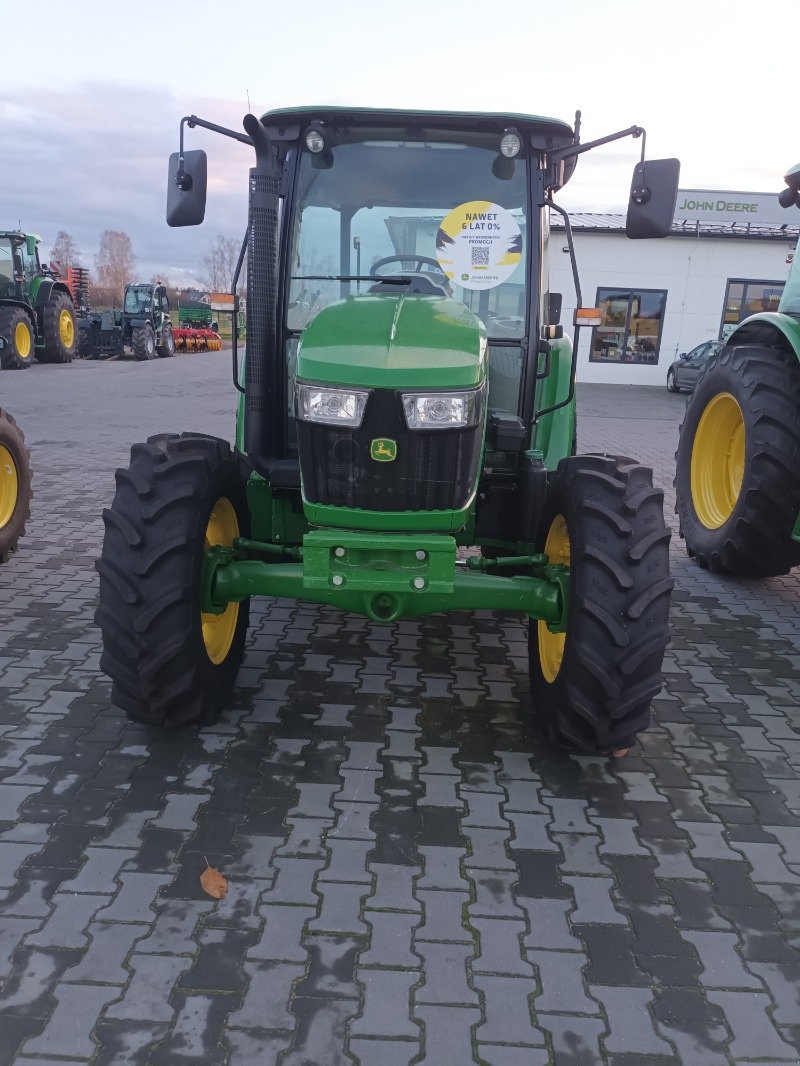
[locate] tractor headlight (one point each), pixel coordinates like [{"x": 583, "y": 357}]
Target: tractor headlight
[
  {"x": 443, "y": 410},
  {"x": 332, "y": 407}
]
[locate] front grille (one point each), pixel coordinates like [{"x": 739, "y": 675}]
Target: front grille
[{"x": 434, "y": 470}]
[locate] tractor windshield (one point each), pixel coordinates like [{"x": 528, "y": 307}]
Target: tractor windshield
[
  {"x": 444, "y": 209},
  {"x": 138, "y": 301}
]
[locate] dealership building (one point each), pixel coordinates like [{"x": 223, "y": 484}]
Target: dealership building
[{"x": 727, "y": 257}]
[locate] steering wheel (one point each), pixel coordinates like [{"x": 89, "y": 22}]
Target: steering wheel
[
  {"x": 419, "y": 262},
  {"x": 438, "y": 281}
]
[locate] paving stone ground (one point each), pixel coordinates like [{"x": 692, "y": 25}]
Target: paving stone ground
[{"x": 416, "y": 875}]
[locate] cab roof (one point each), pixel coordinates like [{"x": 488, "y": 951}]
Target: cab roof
[
  {"x": 19, "y": 235},
  {"x": 493, "y": 120}
]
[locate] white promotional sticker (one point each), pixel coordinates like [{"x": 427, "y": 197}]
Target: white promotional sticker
[{"x": 479, "y": 245}]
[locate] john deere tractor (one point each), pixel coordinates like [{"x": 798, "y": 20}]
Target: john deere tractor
[
  {"x": 737, "y": 476},
  {"x": 37, "y": 317},
  {"x": 425, "y": 406},
  {"x": 15, "y": 485}
]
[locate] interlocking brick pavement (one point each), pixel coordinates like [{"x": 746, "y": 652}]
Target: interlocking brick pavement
[{"x": 416, "y": 875}]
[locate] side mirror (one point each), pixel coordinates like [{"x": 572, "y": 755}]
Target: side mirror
[
  {"x": 30, "y": 245},
  {"x": 651, "y": 206},
  {"x": 186, "y": 189},
  {"x": 553, "y": 308},
  {"x": 682, "y": 355}
]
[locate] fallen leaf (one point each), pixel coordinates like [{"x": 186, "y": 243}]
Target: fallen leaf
[{"x": 213, "y": 883}]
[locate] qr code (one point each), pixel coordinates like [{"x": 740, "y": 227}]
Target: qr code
[{"x": 480, "y": 255}]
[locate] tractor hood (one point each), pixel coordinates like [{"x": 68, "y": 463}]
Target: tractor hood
[{"x": 388, "y": 340}]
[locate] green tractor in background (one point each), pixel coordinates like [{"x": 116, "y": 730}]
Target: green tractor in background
[
  {"x": 737, "y": 476},
  {"x": 15, "y": 485},
  {"x": 37, "y": 316},
  {"x": 425, "y": 405}
]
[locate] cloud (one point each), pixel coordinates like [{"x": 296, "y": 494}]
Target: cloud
[{"x": 95, "y": 158}]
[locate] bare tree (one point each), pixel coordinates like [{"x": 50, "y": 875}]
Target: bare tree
[
  {"x": 114, "y": 261},
  {"x": 65, "y": 251},
  {"x": 218, "y": 266}
]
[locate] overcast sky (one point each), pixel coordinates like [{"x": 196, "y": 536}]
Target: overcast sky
[{"x": 91, "y": 94}]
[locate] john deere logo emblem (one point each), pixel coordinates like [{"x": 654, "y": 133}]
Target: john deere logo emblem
[{"x": 383, "y": 450}]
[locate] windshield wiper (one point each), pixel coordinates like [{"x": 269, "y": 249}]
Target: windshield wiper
[{"x": 351, "y": 277}]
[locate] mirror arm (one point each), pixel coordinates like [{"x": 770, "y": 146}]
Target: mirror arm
[
  {"x": 578, "y": 149},
  {"x": 182, "y": 179}
]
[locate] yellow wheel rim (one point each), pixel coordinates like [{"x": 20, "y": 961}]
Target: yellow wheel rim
[
  {"x": 551, "y": 645},
  {"x": 22, "y": 339},
  {"x": 66, "y": 328},
  {"x": 9, "y": 486},
  {"x": 717, "y": 467},
  {"x": 219, "y": 629}
]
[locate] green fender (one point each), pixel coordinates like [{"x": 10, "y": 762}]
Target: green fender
[{"x": 767, "y": 327}]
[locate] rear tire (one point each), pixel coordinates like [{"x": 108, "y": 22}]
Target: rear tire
[
  {"x": 170, "y": 664},
  {"x": 737, "y": 516},
  {"x": 15, "y": 485},
  {"x": 18, "y": 340},
  {"x": 167, "y": 347},
  {"x": 143, "y": 343},
  {"x": 595, "y": 692},
  {"x": 59, "y": 330}
]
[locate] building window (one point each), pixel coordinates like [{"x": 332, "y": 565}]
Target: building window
[
  {"x": 744, "y": 298},
  {"x": 630, "y": 327}
]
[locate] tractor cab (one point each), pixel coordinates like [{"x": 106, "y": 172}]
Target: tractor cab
[
  {"x": 19, "y": 263},
  {"x": 138, "y": 299}
]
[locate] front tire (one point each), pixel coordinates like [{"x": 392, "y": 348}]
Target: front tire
[
  {"x": 170, "y": 663},
  {"x": 167, "y": 347},
  {"x": 15, "y": 485},
  {"x": 671, "y": 384},
  {"x": 737, "y": 472},
  {"x": 59, "y": 330},
  {"x": 143, "y": 343},
  {"x": 593, "y": 685},
  {"x": 18, "y": 340}
]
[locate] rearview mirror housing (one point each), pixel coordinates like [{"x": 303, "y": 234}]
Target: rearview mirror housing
[
  {"x": 651, "y": 206},
  {"x": 186, "y": 203}
]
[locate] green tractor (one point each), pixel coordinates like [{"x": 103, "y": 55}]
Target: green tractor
[
  {"x": 737, "y": 476},
  {"x": 423, "y": 407},
  {"x": 37, "y": 317},
  {"x": 15, "y": 485}
]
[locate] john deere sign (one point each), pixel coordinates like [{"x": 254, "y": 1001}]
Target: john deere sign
[{"x": 725, "y": 208}]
